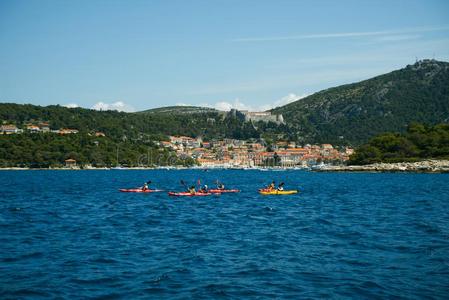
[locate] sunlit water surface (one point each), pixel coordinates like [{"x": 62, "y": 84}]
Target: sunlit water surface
[{"x": 71, "y": 234}]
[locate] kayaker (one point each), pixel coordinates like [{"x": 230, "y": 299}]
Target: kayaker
[
  {"x": 192, "y": 190},
  {"x": 220, "y": 186},
  {"x": 272, "y": 186},
  {"x": 204, "y": 189},
  {"x": 281, "y": 186},
  {"x": 145, "y": 185}
]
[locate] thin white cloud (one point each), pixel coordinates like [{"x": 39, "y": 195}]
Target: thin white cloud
[
  {"x": 292, "y": 97},
  {"x": 343, "y": 34},
  {"x": 71, "y": 105},
  {"x": 119, "y": 106},
  {"x": 222, "y": 105},
  {"x": 236, "y": 104},
  {"x": 398, "y": 37}
]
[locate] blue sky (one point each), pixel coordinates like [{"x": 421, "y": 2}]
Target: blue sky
[{"x": 134, "y": 55}]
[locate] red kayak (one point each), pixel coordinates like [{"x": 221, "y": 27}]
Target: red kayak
[
  {"x": 188, "y": 194},
  {"x": 218, "y": 191},
  {"x": 139, "y": 191}
]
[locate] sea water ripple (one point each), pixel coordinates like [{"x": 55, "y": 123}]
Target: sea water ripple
[{"x": 71, "y": 234}]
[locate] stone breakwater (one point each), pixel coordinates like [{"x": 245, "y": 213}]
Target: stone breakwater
[{"x": 427, "y": 166}]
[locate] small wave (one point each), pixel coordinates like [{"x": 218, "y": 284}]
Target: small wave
[
  {"x": 32, "y": 293},
  {"x": 192, "y": 221},
  {"x": 323, "y": 221},
  {"x": 103, "y": 260},
  {"x": 155, "y": 290},
  {"x": 95, "y": 281},
  {"x": 111, "y": 296},
  {"x": 216, "y": 289},
  {"x": 15, "y": 209},
  {"x": 355, "y": 262},
  {"x": 427, "y": 227},
  {"x": 152, "y": 221},
  {"x": 371, "y": 285},
  {"x": 158, "y": 279},
  {"x": 23, "y": 257},
  {"x": 260, "y": 218}
]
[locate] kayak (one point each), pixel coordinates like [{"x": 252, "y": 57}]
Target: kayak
[
  {"x": 276, "y": 192},
  {"x": 138, "y": 191},
  {"x": 218, "y": 191},
  {"x": 188, "y": 194}
]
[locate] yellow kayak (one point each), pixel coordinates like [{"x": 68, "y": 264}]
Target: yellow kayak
[{"x": 276, "y": 192}]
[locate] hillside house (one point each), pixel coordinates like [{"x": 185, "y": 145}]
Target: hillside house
[
  {"x": 33, "y": 128},
  {"x": 9, "y": 129},
  {"x": 64, "y": 131},
  {"x": 70, "y": 163},
  {"x": 44, "y": 127}
]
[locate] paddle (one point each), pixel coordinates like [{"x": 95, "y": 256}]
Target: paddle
[
  {"x": 148, "y": 183},
  {"x": 218, "y": 183},
  {"x": 279, "y": 187},
  {"x": 184, "y": 184}
]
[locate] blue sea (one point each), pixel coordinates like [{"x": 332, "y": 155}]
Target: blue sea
[{"x": 72, "y": 235}]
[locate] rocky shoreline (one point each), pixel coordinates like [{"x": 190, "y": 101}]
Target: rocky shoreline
[{"x": 426, "y": 166}]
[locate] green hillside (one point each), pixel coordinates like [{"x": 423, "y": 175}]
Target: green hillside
[
  {"x": 351, "y": 114},
  {"x": 153, "y": 124},
  {"x": 417, "y": 143},
  {"x": 134, "y": 134}
]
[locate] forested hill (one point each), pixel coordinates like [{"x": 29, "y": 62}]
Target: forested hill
[
  {"x": 154, "y": 124},
  {"x": 351, "y": 114}
]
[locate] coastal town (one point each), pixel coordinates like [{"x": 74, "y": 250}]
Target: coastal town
[
  {"x": 223, "y": 153},
  {"x": 232, "y": 153}
]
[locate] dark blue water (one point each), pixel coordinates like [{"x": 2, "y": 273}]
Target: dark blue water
[{"x": 71, "y": 234}]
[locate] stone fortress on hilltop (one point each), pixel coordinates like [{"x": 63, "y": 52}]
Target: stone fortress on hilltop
[{"x": 265, "y": 116}]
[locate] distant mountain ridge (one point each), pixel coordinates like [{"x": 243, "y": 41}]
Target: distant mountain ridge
[
  {"x": 355, "y": 112},
  {"x": 180, "y": 109}
]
